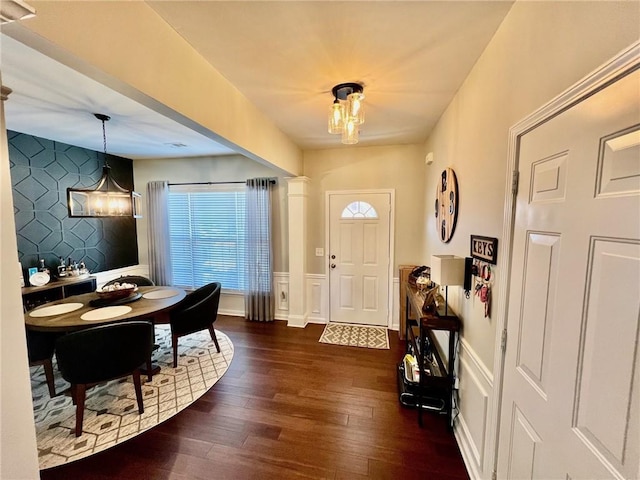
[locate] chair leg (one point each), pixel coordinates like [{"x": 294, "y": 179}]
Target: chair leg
[
  {"x": 212, "y": 331},
  {"x": 155, "y": 347},
  {"x": 74, "y": 395},
  {"x": 80, "y": 390},
  {"x": 149, "y": 369},
  {"x": 48, "y": 373},
  {"x": 174, "y": 344},
  {"x": 138, "y": 388}
]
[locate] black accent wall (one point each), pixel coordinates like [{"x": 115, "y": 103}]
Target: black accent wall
[{"x": 41, "y": 171}]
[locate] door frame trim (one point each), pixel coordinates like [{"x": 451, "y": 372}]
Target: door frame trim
[
  {"x": 622, "y": 64},
  {"x": 392, "y": 227}
]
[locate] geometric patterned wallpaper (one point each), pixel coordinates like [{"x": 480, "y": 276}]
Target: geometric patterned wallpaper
[{"x": 41, "y": 171}]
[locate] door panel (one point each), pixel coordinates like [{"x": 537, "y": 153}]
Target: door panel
[
  {"x": 571, "y": 404},
  {"x": 611, "y": 319},
  {"x": 359, "y": 238},
  {"x": 541, "y": 264},
  {"x": 346, "y": 292},
  {"x": 522, "y": 444},
  {"x": 370, "y": 251},
  {"x": 370, "y": 293}
]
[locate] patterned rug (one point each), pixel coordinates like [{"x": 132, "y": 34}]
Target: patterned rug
[
  {"x": 111, "y": 412},
  {"x": 355, "y": 335}
]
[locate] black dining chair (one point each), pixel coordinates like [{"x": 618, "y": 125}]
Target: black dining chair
[
  {"x": 196, "y": 312},
  {"x": 97, "y": 354},
  {"x": 139, "y": 280},
  {"x": 40, "y": 348}
]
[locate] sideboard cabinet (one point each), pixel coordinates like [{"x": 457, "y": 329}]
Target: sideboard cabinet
[{"x": 35, "y": 296}]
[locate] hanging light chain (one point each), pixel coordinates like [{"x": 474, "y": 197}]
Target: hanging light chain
[
  {"x": 103, "y": 118},
  {"x": 104, "y": 138}
]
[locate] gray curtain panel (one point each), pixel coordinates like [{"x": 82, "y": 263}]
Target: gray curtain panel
[
  {"x": 259, "y": 300},
  {"x": 159, "y": 243}
]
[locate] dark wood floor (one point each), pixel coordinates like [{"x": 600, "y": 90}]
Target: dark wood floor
[{"x": 288, "y": 407}]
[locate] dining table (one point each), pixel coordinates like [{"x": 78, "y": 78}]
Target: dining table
[{"x": 88, "y": 309}]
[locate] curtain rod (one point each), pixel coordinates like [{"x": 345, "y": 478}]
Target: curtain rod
[{"x": 271, "y": 181}]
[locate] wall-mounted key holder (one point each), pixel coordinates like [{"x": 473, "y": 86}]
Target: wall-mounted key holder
[
  {"x": 484, "y": 248},
  {"x": 483, "y": 281}
]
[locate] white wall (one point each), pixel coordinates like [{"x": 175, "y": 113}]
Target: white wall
[
  {"x": 18, "y": 453},
  {"x": 540, "y": 50},
  {"x": 400, "y": 167}
]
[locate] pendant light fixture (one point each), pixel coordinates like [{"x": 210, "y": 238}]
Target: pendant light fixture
[
  {"x": 106, "y": 198},
  {"x": 347, "y": 112}
]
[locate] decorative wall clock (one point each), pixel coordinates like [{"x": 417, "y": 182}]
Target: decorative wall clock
[{"x": 446, "y": 205}]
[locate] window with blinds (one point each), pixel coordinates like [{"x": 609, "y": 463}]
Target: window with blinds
[{"x": 207, "y": 232}]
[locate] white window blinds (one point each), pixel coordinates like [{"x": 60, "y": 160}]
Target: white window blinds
[{"x": 207, "y": 230}]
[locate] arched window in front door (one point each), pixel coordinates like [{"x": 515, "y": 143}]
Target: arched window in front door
[{"x": 359, "y": 210}]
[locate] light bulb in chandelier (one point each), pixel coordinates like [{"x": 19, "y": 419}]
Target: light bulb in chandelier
[
  {"x": 336, "y": 117},
  {"x": 350, "y": 133},
  {"x": 355, "y": 110}
]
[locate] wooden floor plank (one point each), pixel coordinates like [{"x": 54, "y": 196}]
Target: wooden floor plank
[{"x": 289, "y": 407}]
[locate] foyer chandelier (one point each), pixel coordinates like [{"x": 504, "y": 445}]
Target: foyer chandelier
[
  {"x": 105, "y": 198},
  {"x": 347, "y": 112}
]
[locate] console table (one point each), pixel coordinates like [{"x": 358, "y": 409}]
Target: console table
[
  {"x": 434, "y": 390},
  {"x": 56, "y": 290}
]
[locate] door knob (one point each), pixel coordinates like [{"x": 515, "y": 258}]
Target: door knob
[
  {"x": 333, "y": 265},
  {"x": 333, "y": 257}
]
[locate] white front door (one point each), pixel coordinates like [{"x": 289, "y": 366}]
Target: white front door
[
  {"x": 359, "y": 256},
  {"x": 571, "y": 405}
]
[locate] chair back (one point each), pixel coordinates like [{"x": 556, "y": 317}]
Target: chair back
[
  {"x": 40, "y": 345},
  {"x": 197, "y": 311},
  {"x": 139, "y": 280},
  {"x": 104, "y": 352}
]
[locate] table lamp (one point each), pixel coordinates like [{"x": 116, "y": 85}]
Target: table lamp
[{"x": 447, "y": 270}]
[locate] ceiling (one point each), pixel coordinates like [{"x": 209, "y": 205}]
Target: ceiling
[{"x": 411, "y": 57}]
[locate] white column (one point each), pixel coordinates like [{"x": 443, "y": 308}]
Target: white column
[
  {"x": 18, "y": 454},
  {"x": 297, "y": 199}
]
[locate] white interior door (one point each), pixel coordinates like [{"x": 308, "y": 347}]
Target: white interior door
[
  {"x": 571, "y": 406},
  {"x": 359, "y": 256}
]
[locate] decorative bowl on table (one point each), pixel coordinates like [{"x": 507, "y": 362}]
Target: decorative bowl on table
[{"x": 116, "y": 291}]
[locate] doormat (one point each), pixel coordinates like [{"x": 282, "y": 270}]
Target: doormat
[
  {"x": 111, "y": 412},
  {"x": 355, "y": 335}
]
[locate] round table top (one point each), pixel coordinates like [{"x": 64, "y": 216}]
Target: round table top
[{"x": 59, "y": 316}]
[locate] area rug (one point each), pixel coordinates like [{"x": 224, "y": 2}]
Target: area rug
[
  {"x": 355, "y": 335},
  {"x": 111, "y": 412}
]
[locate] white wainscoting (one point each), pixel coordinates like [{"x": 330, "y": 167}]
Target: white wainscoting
[
  {"x": 472, "y": 424},
  {"x": 281, "y": 291},
  {"x": 317, "y": 291},
  {"x": 108, "y": 275},
  {"x": 395, "y": 305},
  {"x": 317, "y": 298},
  {"x": 316, "y": 288}
]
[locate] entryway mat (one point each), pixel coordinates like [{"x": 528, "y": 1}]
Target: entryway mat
[{"x": 355, "y": 335}]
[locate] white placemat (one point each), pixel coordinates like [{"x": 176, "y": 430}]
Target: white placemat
[
  {"x": 158, "y": 294},
  {"x": 105, "y": 313},
  {"x": 55, "y": 310}
]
